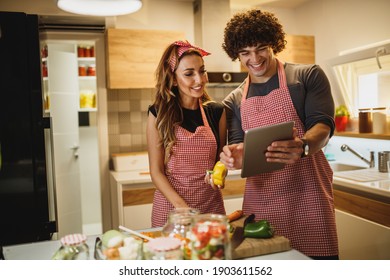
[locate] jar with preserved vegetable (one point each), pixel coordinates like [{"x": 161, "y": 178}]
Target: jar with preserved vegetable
[
  {"x": 44, "y": 69},
  {"x": 91, "y": 71},
  {"x": 210, "y": 238},
  {"x": 87, "y": 51},
  {"x": 179, "y": 225},
  {"x": 73, "y": 247},
  {"x": 80, "y": 51},
  {"x": 82, "y": 70},
  {"x": 163, "y": 248}
]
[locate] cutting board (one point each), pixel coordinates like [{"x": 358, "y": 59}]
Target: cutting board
[{"x": 251, "y": 247}]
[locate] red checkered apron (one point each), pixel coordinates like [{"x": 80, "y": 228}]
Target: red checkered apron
[
  {"x": 192, "y": 155},
  {"x": 298, "y": 199}
]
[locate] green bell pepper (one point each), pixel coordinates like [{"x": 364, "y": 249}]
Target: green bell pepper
[{"x": 260, "y": 229}]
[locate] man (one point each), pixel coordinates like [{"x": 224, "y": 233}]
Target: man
[{"x": 298, "y": 199}]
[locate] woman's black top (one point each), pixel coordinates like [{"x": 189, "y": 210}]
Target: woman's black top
[{"x": 193, "y": 118}]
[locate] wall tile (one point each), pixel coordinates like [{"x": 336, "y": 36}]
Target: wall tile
[{"x": 127, "y": 117}]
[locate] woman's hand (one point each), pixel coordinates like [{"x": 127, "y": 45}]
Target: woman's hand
[{"x": 209, "y": 179}]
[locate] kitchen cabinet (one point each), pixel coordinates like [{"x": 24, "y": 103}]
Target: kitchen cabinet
[
  {"x": 84, "y": 54},
  {"x": 363, "y": 225},
  {"x": 233, "y": 193},
  {"x": 299, "y": 49},
  {"x": 133, "y": 56}
]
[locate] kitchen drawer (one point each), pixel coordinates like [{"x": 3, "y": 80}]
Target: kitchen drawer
[
  {"x": 234, "y": 188},
  {"x": 367, "y": 208}
]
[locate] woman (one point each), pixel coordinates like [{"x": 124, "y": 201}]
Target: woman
[{"x": 185, "y": 132}]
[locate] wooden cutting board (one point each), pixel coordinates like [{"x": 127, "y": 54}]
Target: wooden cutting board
[{"x": 251, "y": 247}]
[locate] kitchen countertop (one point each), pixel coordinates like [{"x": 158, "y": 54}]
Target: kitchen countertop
[
  {"x": 379, "y": 187},
  {"x": 44, "y": 251},
  {"x": 143, "y": 176}
]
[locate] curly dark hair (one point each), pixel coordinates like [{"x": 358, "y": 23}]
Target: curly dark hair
[{"x": 250, "y": 28}]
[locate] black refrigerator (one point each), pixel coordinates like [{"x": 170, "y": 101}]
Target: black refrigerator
[{"x": 24, "y": 195}]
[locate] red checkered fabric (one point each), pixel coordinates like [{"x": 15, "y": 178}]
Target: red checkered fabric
[
  {"x": 192, "y": 155},
  {"x": 184, "y": 46},
  {"x": 297, "y": 200}
]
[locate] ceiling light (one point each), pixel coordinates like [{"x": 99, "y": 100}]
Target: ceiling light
[{"x": 100, "y": 7}]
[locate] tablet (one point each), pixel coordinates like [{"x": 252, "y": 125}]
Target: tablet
[{"x": 256, "y": 141}]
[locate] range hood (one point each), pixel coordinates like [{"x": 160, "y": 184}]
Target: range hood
[
  {"x": 226, "y": 79},
  {"x": 210, "y": 18}
]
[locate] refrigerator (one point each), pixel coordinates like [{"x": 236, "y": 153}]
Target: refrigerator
[{"x": 25, "y": 197}]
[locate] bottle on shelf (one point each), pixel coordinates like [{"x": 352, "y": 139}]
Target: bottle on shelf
[
  {"x": 82, "y": 70},
  {"x": 91, "y": 71}
]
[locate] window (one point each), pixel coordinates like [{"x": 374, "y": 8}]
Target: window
[{"x": 363, "y": 76}]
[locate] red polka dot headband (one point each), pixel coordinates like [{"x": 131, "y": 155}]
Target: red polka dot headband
[{"x": 184, "y": 46}]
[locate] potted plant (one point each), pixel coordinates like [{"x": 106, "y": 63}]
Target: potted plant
[{"x": 342, "y": 117}]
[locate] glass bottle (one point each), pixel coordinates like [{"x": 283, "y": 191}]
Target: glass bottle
[
  {"x": 73, "y": 247},
  {"x": 210, "y": 238},
  {"x": 179, "y": 225}
]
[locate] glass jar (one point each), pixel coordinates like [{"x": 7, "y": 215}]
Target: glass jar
[
  {"x": 87, "y": 51},
  {"x": 73, "y": 247},
  {"x": 91, "y": 70},
  {"x": 80, "y": 51},
  {"x": 163, "y": 248},
  {"x": 44, "y": 69},
  {"x": 82, "y": 70},
  {"x": 179, "y": 225},
  {"x": 379, "y": 120},
  {"x": 210, "y": 238},
  {"x": 365, "y": 121}
]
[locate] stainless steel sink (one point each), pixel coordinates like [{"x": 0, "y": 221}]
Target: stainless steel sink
[{"x": 337, "y": 166}]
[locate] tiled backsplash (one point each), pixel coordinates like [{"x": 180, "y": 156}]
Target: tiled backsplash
[{"x": 127, "y": 117}]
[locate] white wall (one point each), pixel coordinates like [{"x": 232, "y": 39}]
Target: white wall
[{"x": 361, "y": 145}]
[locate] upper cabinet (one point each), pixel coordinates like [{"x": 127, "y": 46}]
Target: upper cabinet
[
  {"x": 133, "y": 56},
  {"x": 299, "y": 49}
]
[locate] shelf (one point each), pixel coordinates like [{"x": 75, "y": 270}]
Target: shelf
[
  {"x": 87, "y": 77},
  {"x": 91, "y": 59},
  {"x": 363, "y": 135},
  {"x": 79, "y": 110},
  {"x": 87, "y": 110}
]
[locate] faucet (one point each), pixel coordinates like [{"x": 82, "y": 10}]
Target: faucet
[{"x": 370, "y": 162}]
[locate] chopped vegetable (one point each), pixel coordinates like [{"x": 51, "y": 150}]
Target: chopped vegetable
[
  {"x": 112, "y": 238},
  {"x": 260, "y": 229},
  {"x": 208, "y": 241}
]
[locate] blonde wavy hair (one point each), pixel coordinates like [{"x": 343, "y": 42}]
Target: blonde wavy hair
[{"x": 167, "y": 98}]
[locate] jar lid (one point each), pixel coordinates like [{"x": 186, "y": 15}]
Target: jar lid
[
  {"x": 164, "y": 244},
  {"x": 73, "y": 239}
]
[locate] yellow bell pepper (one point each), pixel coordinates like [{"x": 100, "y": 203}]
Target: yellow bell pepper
[{"x": 219, "y": 174}]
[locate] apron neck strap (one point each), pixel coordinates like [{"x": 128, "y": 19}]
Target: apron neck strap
[{"x": 204, "y": 118}]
